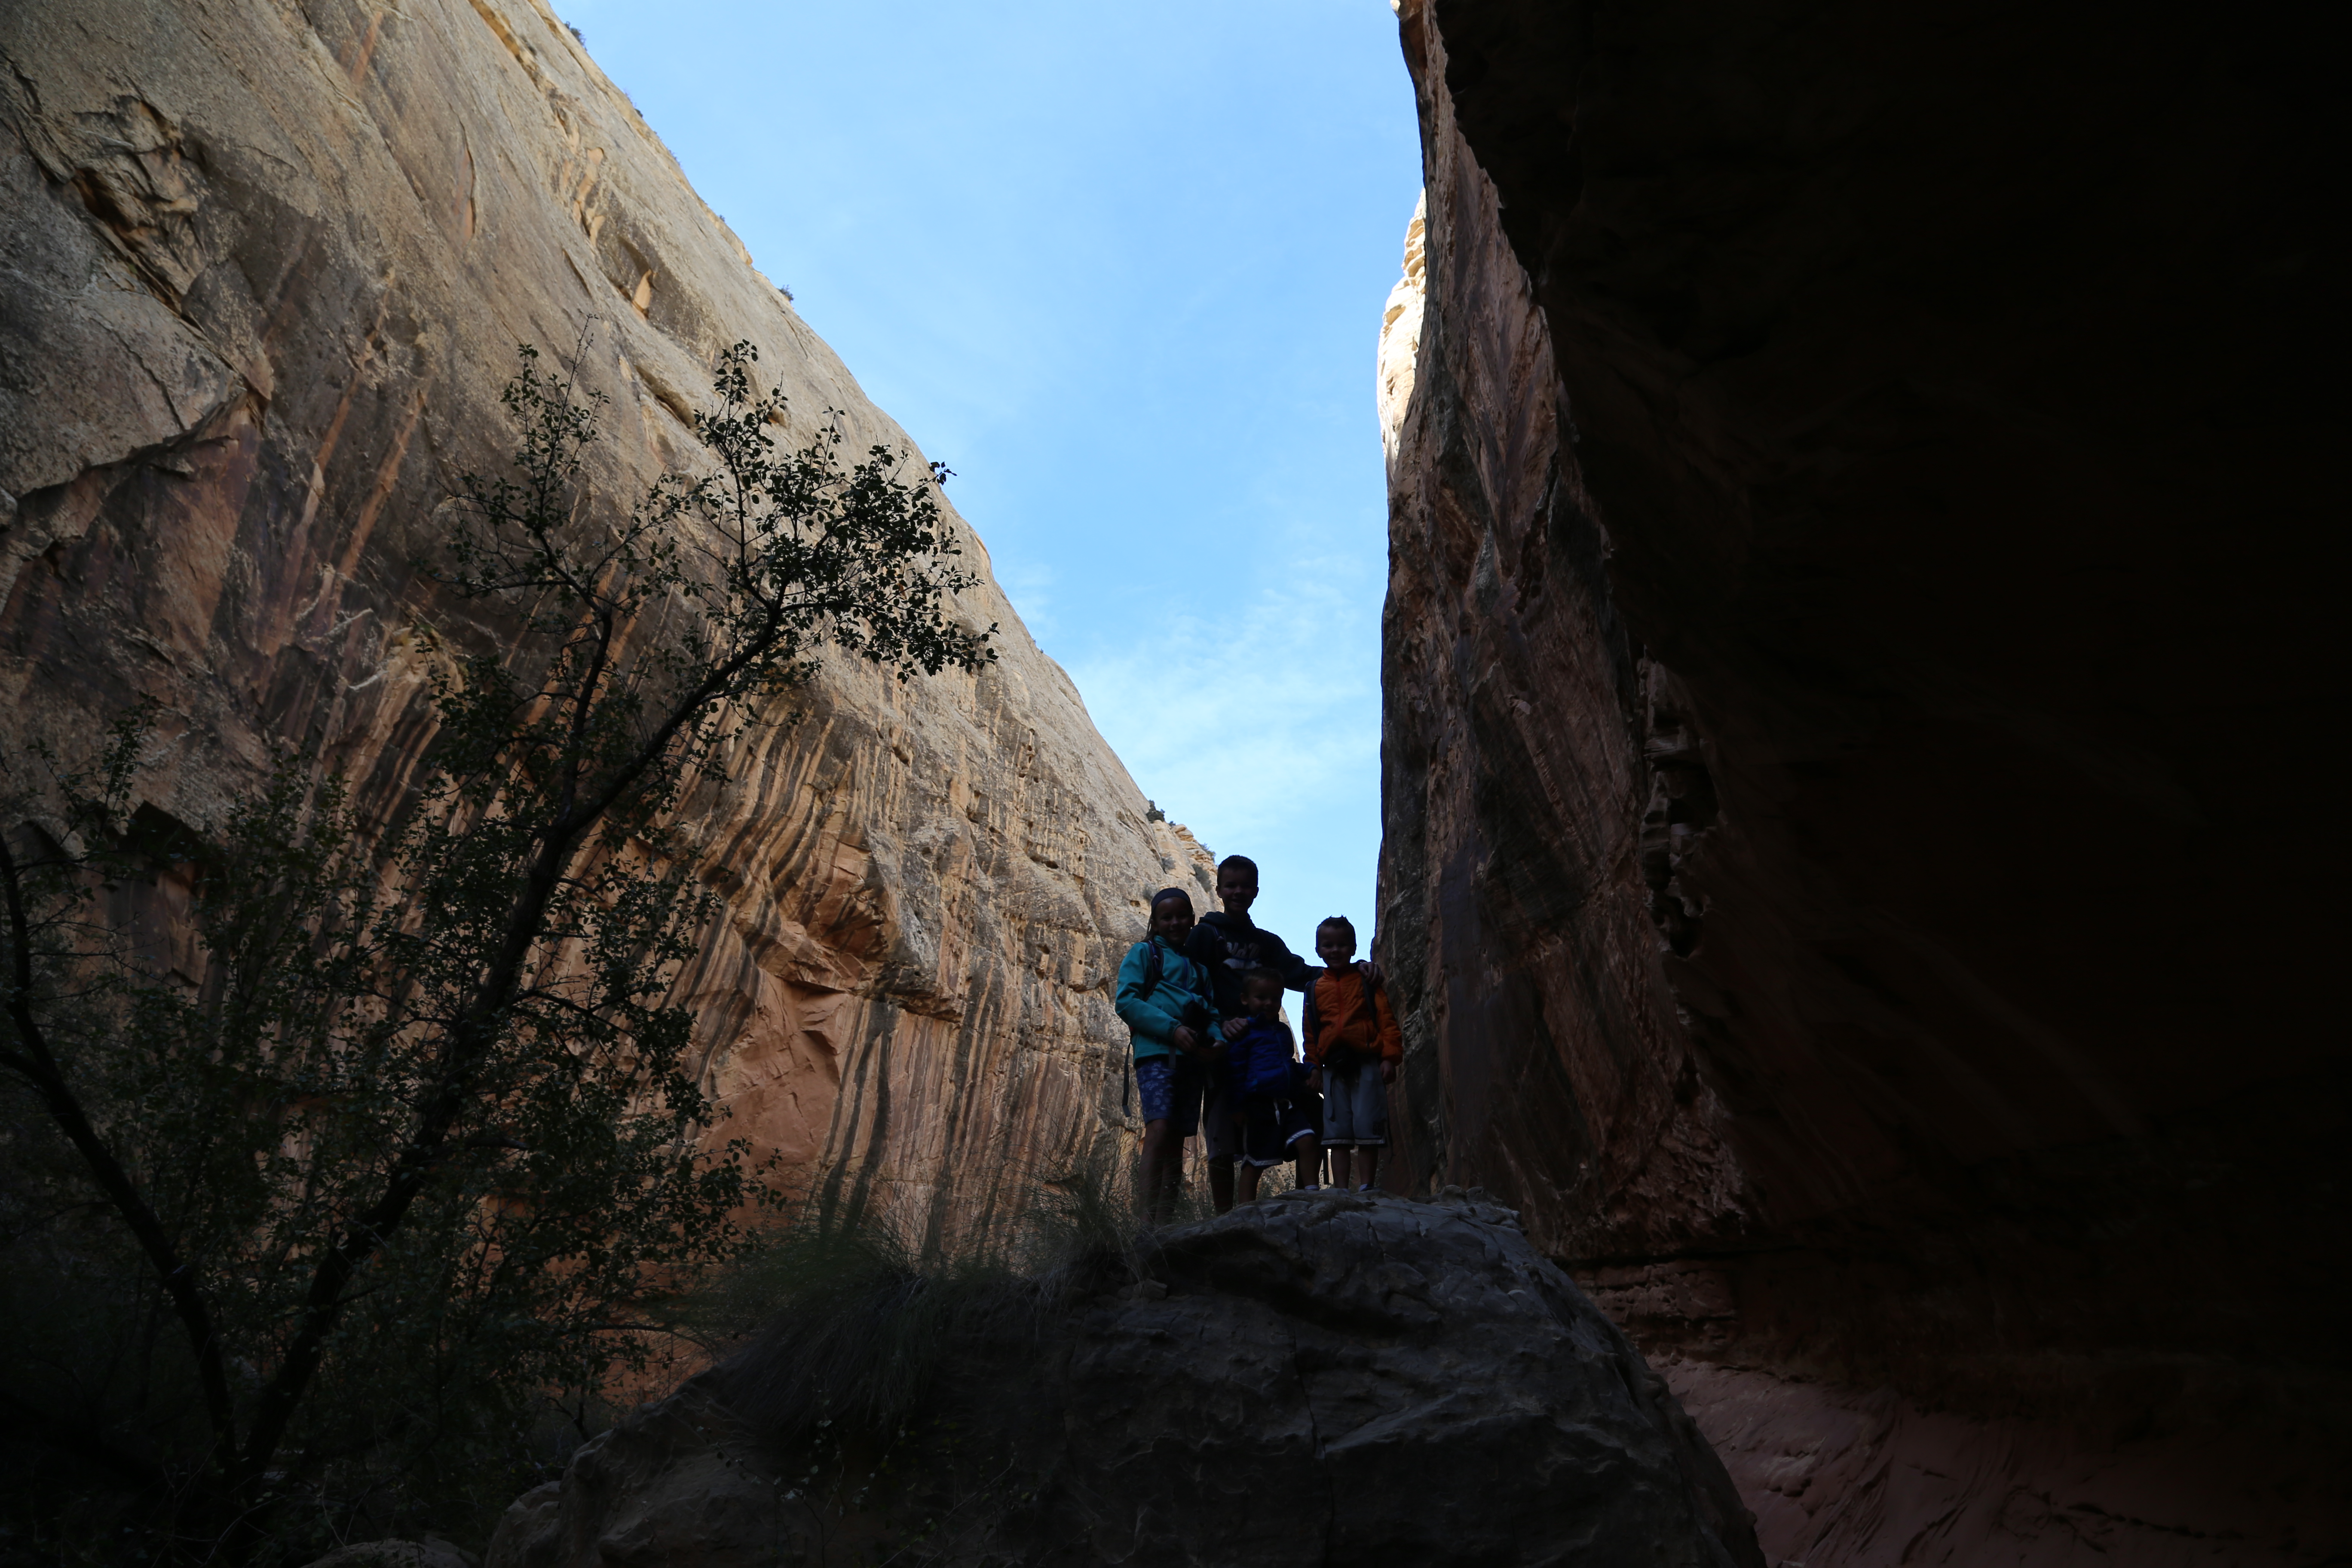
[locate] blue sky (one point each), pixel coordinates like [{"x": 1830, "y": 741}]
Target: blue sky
[{"x": 1121, "y": 267}]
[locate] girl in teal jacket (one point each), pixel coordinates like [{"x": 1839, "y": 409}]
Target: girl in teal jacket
[{"x": 1165, "y": 999}]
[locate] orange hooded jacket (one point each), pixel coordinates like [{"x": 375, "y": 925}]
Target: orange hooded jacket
[{"x": 1351, "y": 1018}]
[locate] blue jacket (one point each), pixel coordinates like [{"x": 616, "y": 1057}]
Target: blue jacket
[
  {"x": 1154, "y": 1018},
  {"x": 1262, "y": 1052}
]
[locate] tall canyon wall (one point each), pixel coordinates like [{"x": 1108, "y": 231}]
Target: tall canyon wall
[
  {"x": 263, "y": 267},
  {"x": 1853, "y": 641}
]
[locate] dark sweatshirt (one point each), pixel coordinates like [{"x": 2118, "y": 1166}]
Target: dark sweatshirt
[{"x": 1230, "y": 944}]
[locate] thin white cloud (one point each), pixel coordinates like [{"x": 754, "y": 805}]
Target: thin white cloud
[
  {"x": 1030, "y": 586},
  {"x": 1260, "y": 730}
]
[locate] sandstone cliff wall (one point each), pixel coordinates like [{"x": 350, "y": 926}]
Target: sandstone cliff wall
[
  {"x": 262, "y": 271},
  {"x": 1851, "y": 526}
]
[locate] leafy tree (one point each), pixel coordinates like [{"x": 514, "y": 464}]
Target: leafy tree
[{"x": 321, "y": 1207}]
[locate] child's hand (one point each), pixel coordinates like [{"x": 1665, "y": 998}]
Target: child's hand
[
  {"x": 1233, "y": 1027},
  {"x": 1388, "y": 1071},
  {"x": 1185, "y": 1041},
  {"x": 1314, "y": 1080}
]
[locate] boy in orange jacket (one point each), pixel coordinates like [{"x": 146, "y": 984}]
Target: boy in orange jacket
[{"x": 1352, "y": 1037}]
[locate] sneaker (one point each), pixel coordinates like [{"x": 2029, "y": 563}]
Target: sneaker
[{"x": 1367, "y": 1187}]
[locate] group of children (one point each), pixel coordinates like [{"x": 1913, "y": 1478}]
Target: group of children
[{"x": 1203, "y": 1000}]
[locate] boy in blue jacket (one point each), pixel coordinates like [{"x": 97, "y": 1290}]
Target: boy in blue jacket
[
  {"x": 1261, "y": 1064},
  {"x": 1166, "y": 1000}
]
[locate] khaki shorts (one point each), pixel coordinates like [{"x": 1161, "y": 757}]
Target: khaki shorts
[{"x": 1355, "y": 1106}]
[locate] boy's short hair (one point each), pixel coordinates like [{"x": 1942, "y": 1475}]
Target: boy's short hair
[
  {"x": 1343, "y": 923},
  {"x": 1239, "y": 863},
  {"x": 1262, "y": 977}
]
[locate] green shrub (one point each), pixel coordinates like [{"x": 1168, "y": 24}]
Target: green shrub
[{"x": 325, "y": 1222}]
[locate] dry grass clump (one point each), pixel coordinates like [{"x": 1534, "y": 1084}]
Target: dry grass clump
[{"x": 846, "y": 1323}]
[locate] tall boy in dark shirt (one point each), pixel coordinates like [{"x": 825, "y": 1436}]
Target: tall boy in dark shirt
[{"x": 1230, "y": 946}]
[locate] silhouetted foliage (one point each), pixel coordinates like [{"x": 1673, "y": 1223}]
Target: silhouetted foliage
[{"x": 330, "y": 1201}]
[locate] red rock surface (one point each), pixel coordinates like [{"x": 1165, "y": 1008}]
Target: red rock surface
[
  {"x": 1853, "y": 618},
  {"x": 262, "y": 273}
]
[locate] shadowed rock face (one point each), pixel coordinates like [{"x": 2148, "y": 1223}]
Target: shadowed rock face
[
  {"x": 1317, "y": 1378},
  {"x": 262, "y": 273},
  {"x": 1852, "y": 609}
]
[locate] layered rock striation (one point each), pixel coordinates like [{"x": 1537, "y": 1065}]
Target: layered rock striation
[
  {"x": 1317, "y": 1378},
  {"x": 1850, "y": 611},
  {"x": 262, "y": 273}
]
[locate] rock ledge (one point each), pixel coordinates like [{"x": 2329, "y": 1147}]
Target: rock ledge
[{"x": 1315, "y": 1378}]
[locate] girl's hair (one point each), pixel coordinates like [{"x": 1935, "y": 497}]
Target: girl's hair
[
  {"x": 1164, "y": 894},
  {"x": 1343, "y": 923}
]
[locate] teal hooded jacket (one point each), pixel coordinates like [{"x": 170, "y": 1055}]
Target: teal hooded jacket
[{"x": 1154, "y": 1018}]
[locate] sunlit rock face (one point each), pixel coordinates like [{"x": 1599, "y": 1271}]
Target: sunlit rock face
[
  {"x": 1400, "y": 331},
  {"x": 1850, "y": 602},
  {"x": 264, "y": 270}
]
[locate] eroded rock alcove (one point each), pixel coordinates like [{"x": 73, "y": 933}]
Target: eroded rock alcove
[{"x": 1853, "y": 519}]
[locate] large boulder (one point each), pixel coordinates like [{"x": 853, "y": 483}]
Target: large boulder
[{"x": 1319, "y": 1377}]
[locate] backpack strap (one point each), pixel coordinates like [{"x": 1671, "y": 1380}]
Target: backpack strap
[
  {"x": 1153, "y": 967},
  {"x": 1306, "y": 1015}
]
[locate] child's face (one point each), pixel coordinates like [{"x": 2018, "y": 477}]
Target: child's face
[
  {"x": 1263, "y": 1001},
  {"x": 1171, "y": 922},
  {"x": 1336, "y": 947},
  {"x": 1237, "y": 890}
]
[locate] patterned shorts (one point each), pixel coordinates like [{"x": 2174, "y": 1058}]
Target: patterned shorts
[{"x": 1170, "y": 1091}]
